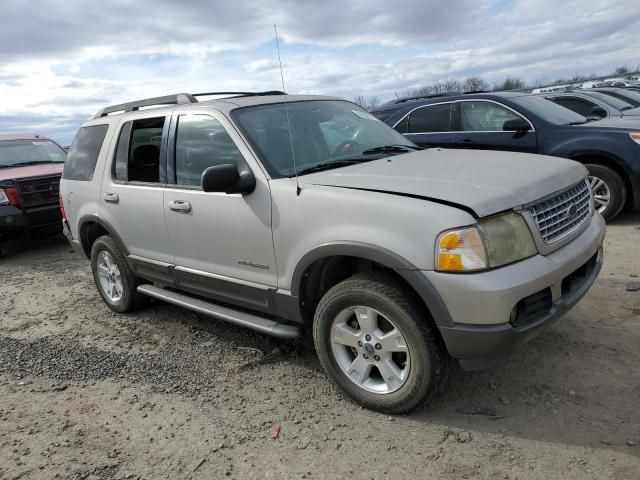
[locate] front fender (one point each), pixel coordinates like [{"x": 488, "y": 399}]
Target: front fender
[{"x": 414, "y": 277}]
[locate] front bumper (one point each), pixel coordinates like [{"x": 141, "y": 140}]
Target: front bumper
[
  {"x": 481, "y": 304},
  {"x": 16, "y": 221}
]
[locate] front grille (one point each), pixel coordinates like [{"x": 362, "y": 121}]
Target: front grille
[
  {"x": 35, "y": 192},
  {"x": 558, "y": 216}
]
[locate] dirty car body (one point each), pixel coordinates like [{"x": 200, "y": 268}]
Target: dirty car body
[{"x": 305, "y": 213}]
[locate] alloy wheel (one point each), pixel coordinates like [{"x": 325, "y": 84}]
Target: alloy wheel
[
  {"x": 110, "y": 277},
  {"x": 370, "y": 349},
  {"x": 601, "y": 194}
]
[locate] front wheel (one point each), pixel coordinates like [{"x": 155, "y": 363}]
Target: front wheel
[
  {"x": 608, "y": 189},
  {"x": 378, "y": 344}
]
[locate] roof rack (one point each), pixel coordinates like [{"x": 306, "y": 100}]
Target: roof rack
[
  {"x": 240, "y": 94},
  {"x": 431, "y": 95},
  {"x": 177, "y": 99}
]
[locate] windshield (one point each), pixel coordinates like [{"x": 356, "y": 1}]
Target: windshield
[
  {"x": 548, "y": 111},
  {"x": 21, "y": 152},
  {"x": 322, "y": 131},
  {"x": 629, "y": 96},
  {"x": 614, "y": 102}
]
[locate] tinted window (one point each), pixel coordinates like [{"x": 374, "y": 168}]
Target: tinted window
[
  {"x": 614, "y": 102},
  {"x": 201, "y": 142},
  {"x": 84, "y": 152},
  {"x": 579, "y": 106},
  {"x": 432, "y": 118},
  {"x": 629, "y": 96},
  {"x": 21, "y": 152},
  {"x": 547, "y": 110},
  {"x": 484, "y": 116}
]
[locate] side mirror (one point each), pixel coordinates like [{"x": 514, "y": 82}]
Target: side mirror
[
  {"x": 228, "y": 179},
  {"x": 516, "y": 125},
  {"x": 598, "y": 112}
]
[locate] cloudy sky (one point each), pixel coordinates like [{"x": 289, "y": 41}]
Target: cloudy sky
[{"x": 60, "y": 61}]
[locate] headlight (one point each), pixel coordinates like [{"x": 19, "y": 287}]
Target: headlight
[
  {"x": 4, "y": 200},
  {"x": 493, "y": 242}
]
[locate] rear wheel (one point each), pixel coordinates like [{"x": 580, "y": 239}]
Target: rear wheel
[
  {"x": 378, "y": 344},
  {"x": 115, "y": 281},
  {"x": 609, "y": 190}
]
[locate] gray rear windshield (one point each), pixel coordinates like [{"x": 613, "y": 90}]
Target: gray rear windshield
[{"x": 321, "y": 131}]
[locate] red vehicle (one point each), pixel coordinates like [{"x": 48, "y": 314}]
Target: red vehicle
[{"x": 30, "y": 170}]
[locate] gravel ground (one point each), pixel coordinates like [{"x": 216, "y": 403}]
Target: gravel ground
[{"x": 165, "y": 393}]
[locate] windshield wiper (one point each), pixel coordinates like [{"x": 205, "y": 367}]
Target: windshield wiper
[
  {"x": 23, "y": 164},
  {"x": 333, "y": 164},
  {"x": 624, "y": 109},
  {"x": 391, "y": 149}
]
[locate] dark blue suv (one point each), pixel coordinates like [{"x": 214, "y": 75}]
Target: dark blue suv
[{"x": 519, "y": 122}]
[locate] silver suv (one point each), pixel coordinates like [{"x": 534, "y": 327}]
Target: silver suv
[{"x": 292, "y": 214}]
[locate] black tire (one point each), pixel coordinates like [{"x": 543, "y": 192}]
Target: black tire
[
  {"x": 130, "y": 297},
  {"x": 430, "y": 361},
  {"x": 616, "y": 186}
]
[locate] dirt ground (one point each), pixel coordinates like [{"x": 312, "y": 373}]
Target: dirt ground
[{"x": 165, "y": 393}]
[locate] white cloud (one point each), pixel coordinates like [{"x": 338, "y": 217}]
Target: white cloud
[{"x": 65, "y": 60}]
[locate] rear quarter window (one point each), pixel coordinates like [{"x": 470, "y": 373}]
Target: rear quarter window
[{"x": 83, "y": 154}]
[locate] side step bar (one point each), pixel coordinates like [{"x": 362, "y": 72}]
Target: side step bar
[{"x": 262, "y": 325}]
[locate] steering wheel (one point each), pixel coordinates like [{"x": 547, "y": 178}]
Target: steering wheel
[{"x": 348, "y": 147}]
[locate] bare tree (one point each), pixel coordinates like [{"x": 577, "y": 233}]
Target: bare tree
[
  {"x": 474, "y": 83},
  {"x": 509, "y": 83},
  {"x": 622, "y": 70},
  {"x": 366, "y": 102}
]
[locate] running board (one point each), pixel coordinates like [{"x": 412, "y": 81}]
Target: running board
[{"x": 247, "y": 320}]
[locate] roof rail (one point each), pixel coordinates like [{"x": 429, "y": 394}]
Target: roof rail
[
  {"x": 431, "y": 95},
  {"x": 178, "y": 99},
  {"x": 240, "y": 94}
]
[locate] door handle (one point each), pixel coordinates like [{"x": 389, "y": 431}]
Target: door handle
[
  {"x": 111, "y": 198},
  {"x": 468, "y": 140},
  {"x": 180, "y": 206}
]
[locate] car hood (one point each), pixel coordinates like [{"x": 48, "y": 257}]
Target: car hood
[
  {"x": 27, "y": 171},
  {"x": 484, "y": 181},
  {"x": 632, "y": 112},
  {"x": 618, "y": 123}
]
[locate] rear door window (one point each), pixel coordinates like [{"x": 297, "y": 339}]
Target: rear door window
[
  {"x": 428, "y": 119},
  {"x": 138, "y": 151},
  {"x": 479, "y": 116},
  {"x": 84, "y": 152}
]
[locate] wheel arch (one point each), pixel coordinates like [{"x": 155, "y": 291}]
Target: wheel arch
[
  {"x": 91, "y": 227},
  {"x": 607, "y": 159},
  {"x": 330, "y": 263}
]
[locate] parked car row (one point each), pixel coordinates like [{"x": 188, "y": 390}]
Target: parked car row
[{"x": 519, "y": 122}]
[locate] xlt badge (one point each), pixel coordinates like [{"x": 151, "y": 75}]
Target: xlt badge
[{"x": 247, "y": 263}]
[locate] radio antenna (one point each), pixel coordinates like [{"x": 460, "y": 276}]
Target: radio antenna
[{"x": 286, "y": 110}]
